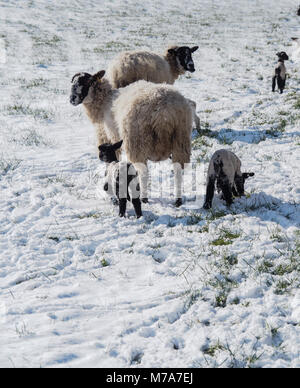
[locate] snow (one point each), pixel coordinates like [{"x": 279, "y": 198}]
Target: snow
[{"x": 180, "y": 287}]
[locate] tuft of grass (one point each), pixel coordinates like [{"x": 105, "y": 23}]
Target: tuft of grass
[
  {"x": 104, "y": 263},
  {"x": 226, "y": 238},
  {"x": 7, "y": 165}
]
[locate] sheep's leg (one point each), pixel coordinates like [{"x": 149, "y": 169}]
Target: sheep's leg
[
  {"x": 196, "y": 119},
  {"x": 136, "y": 202},
  {"x": 280, "y": 83},
  {"x": 197, "y": 122},
  {"x": 210, "y": 190},
  {"x": 142, "y": 170},
  {"x": 239, "y": 184},
  {"x": 122, "y": 207},
  {"x": 226, "y": 190},
  {"x": 274, "y": 83},
  {"x": 178, "y": 184}
]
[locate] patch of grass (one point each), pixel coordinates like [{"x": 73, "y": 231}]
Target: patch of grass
[
  {"x": 31, "y": 138},
  {"x": 104, "y": 263},
  {"x": 37, "y": 113},
  {"x": 216, "y": 214},
  {"x": 213, "y": 349},
  {"x": 220, "y": 242},
  {"x": 226, "y": 238},
  {"x": 7, "y": 165},
  {"x": 297, "y": 104}
]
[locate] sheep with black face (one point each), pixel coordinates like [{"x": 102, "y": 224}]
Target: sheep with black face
[
  {"x": 154, "y": 120},
  {"x": 280, "y": 72},
  {"x": 225, "y": 169}
]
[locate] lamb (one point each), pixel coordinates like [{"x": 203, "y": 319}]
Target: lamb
[
  {"x": 131, "y": 66},
  {"x": 225, "y": 168},
  {"x": 154, "y": 120},
  {"x": 280, "y": 72},
  {"x": 120, "y": 177}
]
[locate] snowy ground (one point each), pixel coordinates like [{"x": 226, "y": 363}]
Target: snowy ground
[{"x": 178, "y": 288}]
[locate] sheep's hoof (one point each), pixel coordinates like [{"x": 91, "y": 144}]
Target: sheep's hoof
[
  {"x": 121, "y": 215},
  {"x": 145, "y": 200},
  {"x": 207, "y": 206},
  {"x": 178, "y": 202},
  {"x": 139, "y": 215}
]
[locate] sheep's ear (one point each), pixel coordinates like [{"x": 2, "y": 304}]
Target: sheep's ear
[
  {"x": 172, "y": 51},
  {"x": 101, "y": 147},
  {"x": 98, "y": 76},
  {"x": 76, "y": 75},
  {"x": 118, "y": 145},
  {"x": 195, "y": 48},
  {"x": 247, "y": 175}
]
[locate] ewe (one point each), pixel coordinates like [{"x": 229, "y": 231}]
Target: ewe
[{"x": 154, "y": 120}]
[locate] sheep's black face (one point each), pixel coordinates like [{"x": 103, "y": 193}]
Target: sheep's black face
[
  {"x": 107, "y": 152},
  {"x": 283, "y": 56},
  {"x": 184, "y": 55},
  {"x": 80, "y": 88},
  {"x": 240, "y": 182}
]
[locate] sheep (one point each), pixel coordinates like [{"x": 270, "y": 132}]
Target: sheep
[
  {"x": 132, "y": 66},
  {"x": 225, "y": 168},
  {"x": 298, "y": 12},
  {"x": 280, "y": 72},
  {"x": 120, "y": 177},
  {"x": 154, "y": 120}
]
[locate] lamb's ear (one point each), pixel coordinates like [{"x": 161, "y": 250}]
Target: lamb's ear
[
  {"x": 247, "y": 175},
  {"x": 118, "y": 145},
  {"x": 195, "y": 48}
]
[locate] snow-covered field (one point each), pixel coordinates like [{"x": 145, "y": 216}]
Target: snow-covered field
[{"x": 80, "y": 287}]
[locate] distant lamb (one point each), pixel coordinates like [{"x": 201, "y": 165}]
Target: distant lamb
[
  {"x": 280, "y": 72},
  {"x": 131, "y": 66},
  {"x": 298, "y": 12},
  {"x": 120, "y": 177},
  {"x": 225, "y": 168},
  {"x": 154, "y": 120}
]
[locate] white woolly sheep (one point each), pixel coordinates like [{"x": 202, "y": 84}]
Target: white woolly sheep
[
  {"x": 120, "y": 177},
  {"x": 280, "y": 72},
  {"x": 131, "y": 66},
  {"x": 225, "y": 168},
  {"x": 154, "y": 120}
]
